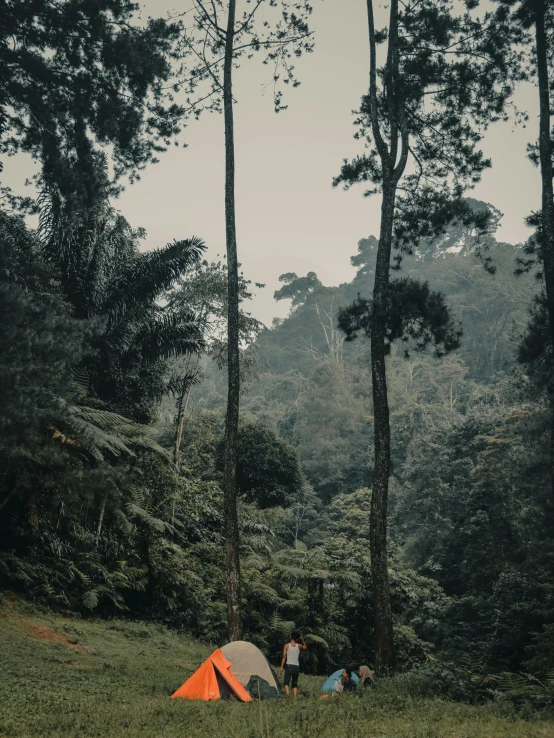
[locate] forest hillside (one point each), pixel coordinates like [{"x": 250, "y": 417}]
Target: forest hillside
[
  {"x": 364, "y": 486},
  {"x": 470, "y": 503}
]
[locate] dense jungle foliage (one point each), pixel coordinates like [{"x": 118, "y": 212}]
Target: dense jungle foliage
[
  {"x": 114, "y": 385},
  {"x": 96, "y": 517}
]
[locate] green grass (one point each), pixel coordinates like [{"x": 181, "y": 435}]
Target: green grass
[{"x": 51, "y": 685}]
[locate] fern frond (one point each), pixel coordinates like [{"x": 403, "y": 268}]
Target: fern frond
[
  {"x": 312, "y": 638},
  {"x": 152, "y": 522},
  {"x": 102, "y": 431},
  {"x": 263, "y": 592},
  {"x": 472, "y": 663},
  {"x": 90, "y": 599}
]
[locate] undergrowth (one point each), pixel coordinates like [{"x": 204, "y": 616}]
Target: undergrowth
[{"x": 75, "y": 678}]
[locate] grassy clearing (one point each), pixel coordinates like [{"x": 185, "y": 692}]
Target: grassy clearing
[{"x": 64, "y": 678}]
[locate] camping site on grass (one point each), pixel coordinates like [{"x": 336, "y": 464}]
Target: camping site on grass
[
  {"x": 70, "y": 678},
  {"x": 277, "y": 391}
]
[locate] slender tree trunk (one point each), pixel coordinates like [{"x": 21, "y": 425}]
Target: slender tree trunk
[
  {"x": 552, "y": 449},
  {"x": 545, "y": 153},
  {"x": 234, "y": 618},
  {"x": 379, "y": 499},
  {"x": 181, "y": 409},
  {"x": 182, "y": 406},
  {"x": 101, "y": 518},
  {"x": 7, "y": 499},
  {"x": 181, "y": 412}
]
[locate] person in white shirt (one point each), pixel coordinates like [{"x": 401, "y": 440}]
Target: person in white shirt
[
  {"x": 344, "y": 684},
  {"x": 291, "y": 662}
]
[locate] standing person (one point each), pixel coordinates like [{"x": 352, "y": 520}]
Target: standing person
[{"x": 291, "y": 662}]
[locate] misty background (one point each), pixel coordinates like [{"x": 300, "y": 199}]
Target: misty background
[{"x": 289, "y": 217}]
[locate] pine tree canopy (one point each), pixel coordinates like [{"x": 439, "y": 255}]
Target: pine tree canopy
[{"x": 80, "y": 72}]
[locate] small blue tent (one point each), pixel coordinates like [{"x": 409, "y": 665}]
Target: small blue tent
[{"x": 335, "y": 677}]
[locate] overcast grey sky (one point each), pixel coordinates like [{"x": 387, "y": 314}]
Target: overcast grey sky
[{"x": 289, "y": 218}]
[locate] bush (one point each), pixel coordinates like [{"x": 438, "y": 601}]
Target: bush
[{"x": 410, "y": 650}]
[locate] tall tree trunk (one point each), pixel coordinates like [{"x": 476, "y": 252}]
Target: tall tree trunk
[
  {"x": 232, "y": 561},
  {"x": 379, "y": 499},
  {"x": 545, "y": 153},
  {"x": 393, "y": 167}
]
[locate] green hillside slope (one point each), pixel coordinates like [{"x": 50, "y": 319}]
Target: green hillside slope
[{"x": 71, "y": 678}]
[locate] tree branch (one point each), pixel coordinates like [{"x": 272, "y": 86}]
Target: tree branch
[
  {"x": 249, "y": 18},
  {"x": 379, "y": 142},
  {"x": 211, "y": 21},
  {"x": 405, "y": 134},
  {"x": 391, "y": 80}
]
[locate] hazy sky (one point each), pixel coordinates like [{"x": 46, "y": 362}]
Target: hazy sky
[{"x": 289, "y": 218}]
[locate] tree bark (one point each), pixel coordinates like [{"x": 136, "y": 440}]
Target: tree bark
[
  {"x": 379, "y": 499},
  {"x": 393, "y": 167},
  {"x": 232, "y": 561},
  {"x": 545, "y": 155}
]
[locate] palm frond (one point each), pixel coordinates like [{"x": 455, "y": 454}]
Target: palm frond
[
  {"x": 169, "y": 335},
  {"x": 148, "y": 275},
  {"x": 179, "y": 384},
  {"x": 78, "y": 238}
]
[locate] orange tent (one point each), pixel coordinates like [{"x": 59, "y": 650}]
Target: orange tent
[{"x": 214, "y": 680}]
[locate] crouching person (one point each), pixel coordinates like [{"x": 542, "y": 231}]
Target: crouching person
[
  {"x": 345, "y": 683},
  {"x": 290, "y": 662}
]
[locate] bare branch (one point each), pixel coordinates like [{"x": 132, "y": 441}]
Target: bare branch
[
  {"x": 211, "y": 21},
  {"x": 249, "y": 18},
  {"x": 380, "y": 143},
  {"x": 405, "y": 134},
  {"x": 391, "y": 81}
]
